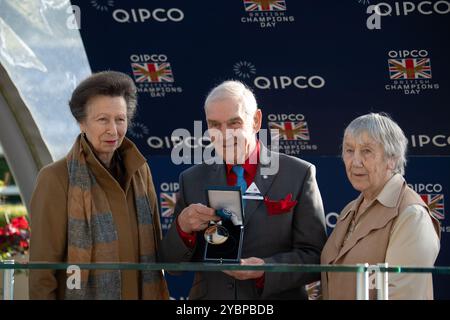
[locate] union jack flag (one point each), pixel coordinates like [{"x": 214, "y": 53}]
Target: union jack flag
[
  {"x": 410, "y": 68},
  {"x": 436, "y": 204},
  {"x": 265, "y": 5},
  {"x": 167, "y": 201},
  {"x": 152, "y": 72},
  {"x": 289, "y": 130}
]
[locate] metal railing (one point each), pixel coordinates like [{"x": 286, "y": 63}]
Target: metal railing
[{"x": 381, "y": 271}]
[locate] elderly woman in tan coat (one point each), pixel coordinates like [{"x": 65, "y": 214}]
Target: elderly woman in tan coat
[
  {"x": 97, "y": 204},
  {"x": 388, "y": 222}
]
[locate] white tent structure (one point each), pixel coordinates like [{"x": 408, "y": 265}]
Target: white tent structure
[{"x": 42, "y": 58}]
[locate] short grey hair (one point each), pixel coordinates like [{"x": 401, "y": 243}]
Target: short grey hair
[
  {"x": 235, "y": 91},
  {"x": 384, "y": 130}
]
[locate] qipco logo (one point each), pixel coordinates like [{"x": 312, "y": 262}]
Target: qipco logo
[
  {"x": 426, "y": 187},
  {"x": 155, "y": 142},
  {"x": 408, "y": 54},
  {"x": 170, "y": 186},
  {"x": 148, "y": 58},
  {"x": 143, "y": 15},
  {"x": 284, "y": 82},
  {"x": 423, "y": 140},
  {"x": 286, "y": 117},
  {"x": 407, "y": 7}
]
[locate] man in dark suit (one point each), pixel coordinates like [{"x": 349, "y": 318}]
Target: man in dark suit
[{"x": 287, "y": 227}]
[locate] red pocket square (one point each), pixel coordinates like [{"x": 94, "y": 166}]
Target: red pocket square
[{"x": 282, "y": 206}]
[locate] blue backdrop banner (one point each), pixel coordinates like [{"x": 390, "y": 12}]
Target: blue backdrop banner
[{"x": 313, "y": 66}]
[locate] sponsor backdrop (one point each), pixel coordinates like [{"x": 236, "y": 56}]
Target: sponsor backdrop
[{"x": 313, "y": 65}]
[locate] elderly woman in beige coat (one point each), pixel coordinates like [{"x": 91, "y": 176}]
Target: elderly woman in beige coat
[
  {"x": 97, "y": 204},
  {"x": 388, "y": 222}
]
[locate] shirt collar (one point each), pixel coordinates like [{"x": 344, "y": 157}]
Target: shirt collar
[
  {"x": 388, "y": 196},
  {"x": 391, "y": 192}
]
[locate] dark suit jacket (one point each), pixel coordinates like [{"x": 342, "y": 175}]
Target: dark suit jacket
[{"x": 296, "y": 236}]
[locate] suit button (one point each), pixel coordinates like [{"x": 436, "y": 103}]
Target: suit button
[{"x": 230, "y": 285}]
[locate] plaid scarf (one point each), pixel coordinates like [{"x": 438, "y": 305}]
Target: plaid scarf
[{"x": 92, "y": 234}]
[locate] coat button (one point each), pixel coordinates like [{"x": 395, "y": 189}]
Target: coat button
[{"x": 230, "y": 285}]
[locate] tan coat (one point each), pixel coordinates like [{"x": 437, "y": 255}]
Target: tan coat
[
  {"x": 49, "y": 220},
  {"x": 373, "y": 236}
]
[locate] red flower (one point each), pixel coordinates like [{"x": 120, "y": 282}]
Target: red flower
[
  {"x": 20, "y": 222},
  {"x": 12, "y": 230},
  {"x": 23, "y": 244},
  {"x": 14, "y": 237}
]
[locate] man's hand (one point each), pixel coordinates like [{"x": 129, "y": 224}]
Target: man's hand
[
  {"x": 246, "y": 275},
  {"x": 196, "y": 217}
]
